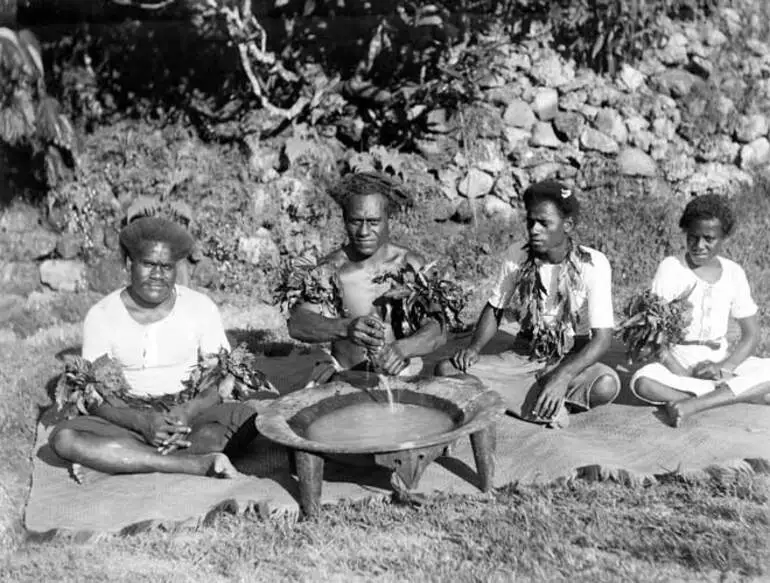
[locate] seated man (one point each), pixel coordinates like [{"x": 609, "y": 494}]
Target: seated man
[
  {"x": 702, "y": 371},
  {"x": 557, "y": 290},
  {"x": 361, "y": 336},
  {"x": 156, "y": 330}
]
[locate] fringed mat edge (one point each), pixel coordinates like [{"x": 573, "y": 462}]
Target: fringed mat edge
[{"x": 291, "y": 514}]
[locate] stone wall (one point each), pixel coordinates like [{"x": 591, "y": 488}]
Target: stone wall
[{"x": 691, "y": 117}]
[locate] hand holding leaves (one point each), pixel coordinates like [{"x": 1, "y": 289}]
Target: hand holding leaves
[{"x": 652, "y": 324}]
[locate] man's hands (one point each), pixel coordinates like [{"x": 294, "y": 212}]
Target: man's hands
[
  {"x": 390, "y": 359},
  {"x": 167, "y": 431},
  {"x": 465, "y": 358},
  {"x": 711, "y": 371},
  {"x": 551, "y": 398},
  {"x": 367, "y": 331}
]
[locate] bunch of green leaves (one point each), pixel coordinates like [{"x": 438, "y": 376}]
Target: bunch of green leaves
[
  {"x": 242, "y": 365},
  {"x": 303, "y": 279},
  {"x": 419, "y": 293},
  {"x": 30, "y": 120},
  {"x": 550, "y": 341},
  {"x": 651, "y": 324},
  {"x": 603, "y": 34}
]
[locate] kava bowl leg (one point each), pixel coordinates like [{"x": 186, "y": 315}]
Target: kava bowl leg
[
  {"x": 484, "y": 444},
  {"x": 310, "y": 473}
]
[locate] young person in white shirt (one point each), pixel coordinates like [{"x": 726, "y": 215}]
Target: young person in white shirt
[
  {"x": 703, "y": 371},
  {"x": 156, "y": 330},
  {"x": 578, "y": 381}
]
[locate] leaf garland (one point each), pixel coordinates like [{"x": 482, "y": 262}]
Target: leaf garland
[
  {"x": 306, "y": 280},
  {"x": 550, "y": 341},
  {"x": 419, "y": 293},
  {"x": 652, "y": 324},
  {"x": 85, "y": 385}
]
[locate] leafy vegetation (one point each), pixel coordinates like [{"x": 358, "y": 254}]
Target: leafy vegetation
[
  {"x": 652, "y": 324},
  {"x": 30, "y": 119},
  {"x": 85, "y": 385},
  {"x": 603, "y": 34},
  {"x": 305, "y": 280},
  {"x": 419, "y": 293}
]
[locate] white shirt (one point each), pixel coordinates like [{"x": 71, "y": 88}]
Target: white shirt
[
  {"x": 594, "y": 298},
  {"x": 713, "y": 303},
  {"x": 155, "y": 357}
]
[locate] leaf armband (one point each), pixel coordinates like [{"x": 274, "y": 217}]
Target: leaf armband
[
  {"x": 84, "y": 385},
  {"x": 305, "y": 280},
  {"x": 419, "y": 293},
  {"x": 240, "y": 365},
  {"x": 652, "y": 325}
]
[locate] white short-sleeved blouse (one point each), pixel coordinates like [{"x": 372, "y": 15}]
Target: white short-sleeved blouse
[{"x": 713, "y": 303}]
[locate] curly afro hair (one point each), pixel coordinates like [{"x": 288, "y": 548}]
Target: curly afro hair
[
  {"x": 708, "y": 207},
  {"x": 397, "y": 195},
  {"x": 563, "y": 198}
]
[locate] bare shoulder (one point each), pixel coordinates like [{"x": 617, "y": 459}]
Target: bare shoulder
[
  {"x": 404, "y": 255},
  {"x": 334, "y": 260}
]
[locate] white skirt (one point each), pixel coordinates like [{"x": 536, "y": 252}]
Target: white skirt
[{"x": 751, "y": 372}]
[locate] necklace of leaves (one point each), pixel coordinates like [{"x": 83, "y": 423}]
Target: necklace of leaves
[{"x": 550, "y": 341}]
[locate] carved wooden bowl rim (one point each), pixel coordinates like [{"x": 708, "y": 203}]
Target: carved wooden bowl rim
[{"x": 475, "y": 408}]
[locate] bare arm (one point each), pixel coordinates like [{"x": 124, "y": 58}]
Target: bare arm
[
  {"x": 555, "y": 382},
  {"x": 429, "y": 337},
  {"x": 575, "y": 363},
  {"x": 127, "y": 417},
  {"x": 745, "y": 348},
  {"x": 746, "y": 345},
  {"x": 485, "y": 330},
  {"x": 486, "y": 327},
  {"x": 307, "y": 325}
]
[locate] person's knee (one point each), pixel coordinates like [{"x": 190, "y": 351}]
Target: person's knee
[
  {"x": 209, "y": 438},
  {"x": 605, "y": 390},
  {"x": 63, "y": 442},
  {"x": 645, "y": 388},
  {"x": 445, "y": 368}
]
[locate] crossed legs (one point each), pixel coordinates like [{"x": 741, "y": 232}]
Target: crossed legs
[
  {"x": 96, "y": 443},
  {"x": 678, "y": 405}
]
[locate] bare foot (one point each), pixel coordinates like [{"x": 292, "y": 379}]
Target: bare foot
[
  {"x": 676, "y": 412},
  {"x": 218, "y": 465},
  {"x": 760, "y": 399},
  {"x": 76, "y": 472}
]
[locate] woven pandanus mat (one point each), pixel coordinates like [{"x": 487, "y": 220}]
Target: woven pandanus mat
[{"x": 623, "y": 441}]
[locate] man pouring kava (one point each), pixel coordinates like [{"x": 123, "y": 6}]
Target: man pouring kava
[
  {"x": 345, "y": 299},
  {"x": 560, "y": 294}
]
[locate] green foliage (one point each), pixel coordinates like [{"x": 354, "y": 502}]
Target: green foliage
[
  {"x": 603, "y": 34},
  {"x": 303, "y": 279},
  {"x": 416, "y": 294},
  {"x": 240, "y": 364},
  {"x": 85, "y": 385},
  {"x": 29, "y": 119},
  {"x": 550, "y": 341},
  {"x": 652, "y": 324}
]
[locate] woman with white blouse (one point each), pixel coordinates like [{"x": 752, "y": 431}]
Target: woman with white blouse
[{"x": 703, "y": 371}]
